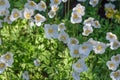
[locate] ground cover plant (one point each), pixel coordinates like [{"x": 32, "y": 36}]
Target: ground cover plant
[{"x": 59, "y": 40}]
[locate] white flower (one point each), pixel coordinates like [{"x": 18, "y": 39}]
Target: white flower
[
  {"x": 87, "y": 29},
  {"x": 41, "y": 6},
  {"x": 85, "y": 49},
  {"x": 81, "y": 0},
  {"x": 109, "y": 6},
  {"x": 88, "y": 21},
  {"x": 96, "y": 24},
  {"x": 2, "y": 67},
  {"x": 74, "y": 51},
  {"x": 61, "y": 27},
  {"x": 54, "y": 8},
  {"x": 64, "y": 1},
  {"x": 4, "y": 4},
  {"x": 31, "y": 5},
  {"x": 99, "y": 48},
  {"x": 55, "y": 2},
  {"x": 63, "y": 36},
  {"x": 114, "y": 44},
  {"x": 116, "y": 58},
  {"x": 39, "y": 19},
  {"x": 111, "y": 37},
  {"x": 51, "y": 14},
  {"x": 28, "y": 13},
  {"x": 72, "y": 41},
  {"x": 112, "y": 65},
  {"x": 37, "y": 62},
  {"x": 8, "y": 59},
  {"x": 115, "y": 75},
  {"x": 15, "y": 14},
  {"x": 25, "y": 75},
  {"x": 76, "y": 75},
  {"x": 79, "y": 66},
  {"x": 51, "y": 31},
  {"x": 93, "y": 2},
  {"x": 79, "y": 9},
  {"x": 75, "y": 18},
  {"x": 4, "y": 12}
]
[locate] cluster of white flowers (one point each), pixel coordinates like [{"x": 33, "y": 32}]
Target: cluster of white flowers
[
  {"x": 77, "y": 13},
  {"x": 26, "y": 13},
  {"x": 109, "y": 10},
  {"x": 6, "y": 60},
  {"x": 113, "y": 65},
  {"x": 89, "y": 24}
]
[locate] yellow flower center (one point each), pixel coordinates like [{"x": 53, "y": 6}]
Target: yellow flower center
[
  {"x": 2, "y": 2},
  {"x": 76, "y": 51},
  {"x": 99, "y": 47},
  {"x": 50, "y": 31},
  {"x": 116, "y": 74},
  {"x": 84, "y": 47},
  {"x": 78, "y": 65},
  {"x": 2, "y": 65},
  {"x": 56, "y": 1},
  {"x": 116, "y": 58},
  {"x": 43, "y": 5},
  {"x": 111, "y": 65},
  {"x": 63, "y": 37},
  {"x": 73, "y": 41},
  {"x": 87, "y": 31},
  {"x": 75, "y": 16},
  {"x": 79, "y": 10},
  {"x": 32, "y": 3},
  {"x": 27, "y": 15},
  {"x": 115, "y": 44},
  {"x": 38, "y": 18},
  {"x": 15, "y": 14},
  {"x": 7, "y": 56}
]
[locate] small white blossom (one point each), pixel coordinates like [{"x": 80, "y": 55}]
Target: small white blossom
[
  {"x": 4, "y": 4},
  {"x": 51, "y": 14},
  {"x": 115, "y": 75},
  {"x": 37, "y": 62},
  {"x": 114, "y": 44},
  {"x": 61, "y": 27},
  {"x": 79, "y": 66},
  {"x": 15, "y": 14},
  {"x": 74, "y": 51},
  {"x": 31, "y": 5},
  {"x": 93, "y": 2},
  {"x": 99, "y": 48},
  {"x": 25, "y": 75},
  {"x": 39, "y": 19},
  {"x": 87, "y": 29},
  {"x": 79, "y": 9},
  {"x": 28, "y": 13},
  {"x": 55, "y": 2},
  {"x": 64, "y": 1},
  {"x": 88, "y": 21},
  {"x": 111, "y": 37},
  {"x": 2, "y": 66},
  {"x": 75, "y": 18},
  {"x": 41, "y": 6},
  {"x": 63, "y": 36},
  {"x": 112, "y": 65},
  {"x": 8, "y": 59},
  {"x": 96, "y": 24},
  {"x": 76, "y": 75},
  {"x": 51, "y": 31},
  {"x": 116, "y": 58}
]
